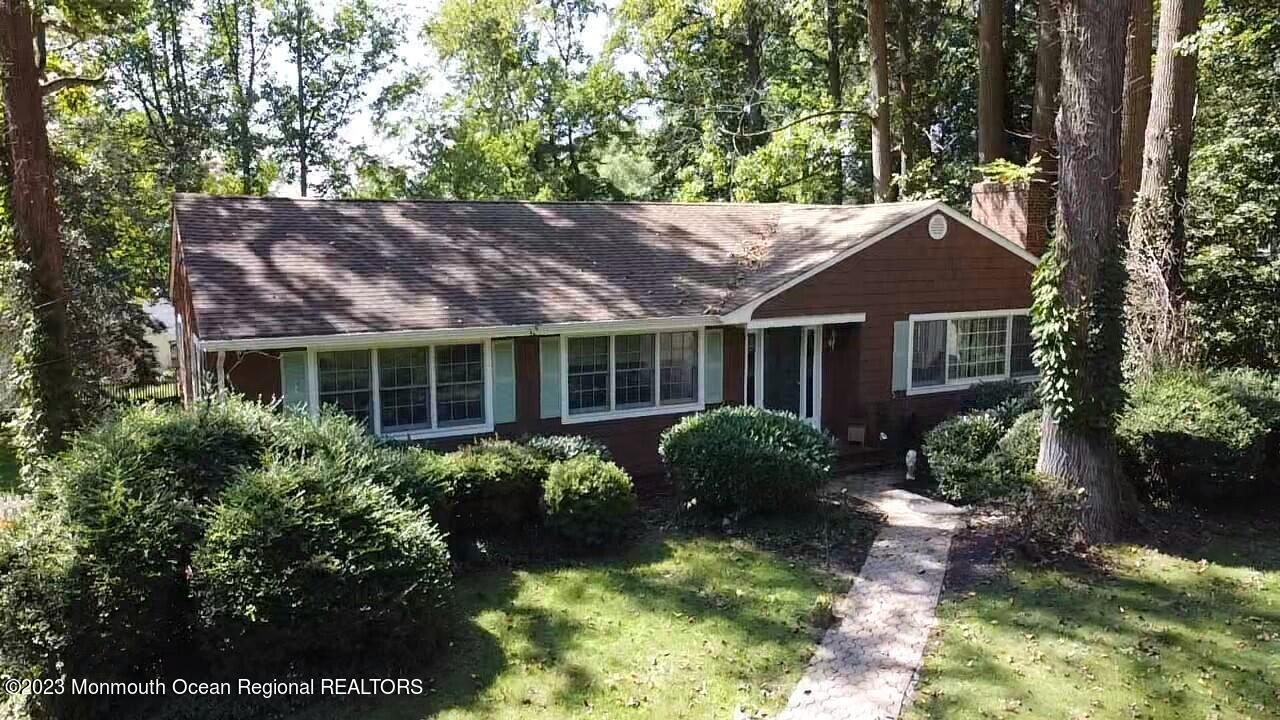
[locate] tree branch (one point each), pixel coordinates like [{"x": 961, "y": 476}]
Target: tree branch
[
  {"x": 793, "y": 123},
  {"x": 63, "y": 83}
]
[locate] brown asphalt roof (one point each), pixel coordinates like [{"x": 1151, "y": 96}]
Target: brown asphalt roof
[{"x": 277, "y": 267}]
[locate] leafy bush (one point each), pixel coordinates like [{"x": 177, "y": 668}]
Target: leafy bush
[
  {"x": 1006, "y": 394},
  {"x": 1182, "y": 436},
  {"x": 958, "y": 452},
  {"x": 749, "y": 459},
  {"x": 588, "y": 500},
  {"x": 496, "y": 484},
  {"x": 1047, "y": 515},
  {"x": 1017, "y": 451},
  {"x": 556, "y": 448},
  {"x": 1259, "y": 393},
  {"x": 307, "y": 566}
]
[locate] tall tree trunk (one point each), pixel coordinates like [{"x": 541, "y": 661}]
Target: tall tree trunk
[
  {"x": 991, "y": 81},
  {"x": 1044, "y": 108},
  {"x": 753, "y": 49},
  {"x": 1157, "y": 236},
  {"x": 304, "y": 142},
  {"x": 1077, "y": 444},
  {"x": 1137, "y": 101},
  {"x": 37, "y": 225},
  {"x": 906, "y": 88},
  {"x": 881, "y": 139},
  {"x": 835, "y": 88}
]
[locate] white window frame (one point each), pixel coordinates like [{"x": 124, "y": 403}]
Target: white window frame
[
  {"x": 948, "y": 384},
  {"x": 435, "y": 431},
  {"x": 657, "y": 408},
  {"x": 757, "y": 375}
]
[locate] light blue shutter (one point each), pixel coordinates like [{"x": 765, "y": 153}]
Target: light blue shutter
[
  {"x": 504, "y": 381},
  {"x": 901, "y": 354},
  {"x": 549, "y": 366},
  {"x": 295, "y": 384},
  {"x": 715, "y": 366}
]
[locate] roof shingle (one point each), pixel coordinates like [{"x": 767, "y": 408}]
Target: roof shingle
[{"x": 276, "y": 267}]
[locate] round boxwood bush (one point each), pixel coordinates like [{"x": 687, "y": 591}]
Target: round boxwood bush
[
  {"x": 1017, "y": 451},
  {"x": 1183, "y": 437},
  {"x": 588, "y": 500},
  {"x": 1259, "y": 393},
  {"x": 555, "y": 448},
  {"x": 747, "y": 459},
  {"x": 305, "y": 567},
  {"x": 958, "y": 452},
  {"x": 496, "y": 484}
]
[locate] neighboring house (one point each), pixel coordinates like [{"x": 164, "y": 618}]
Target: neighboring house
[
  {"x": 442, "y": 321},
  {"x": 163, "y": 340}
]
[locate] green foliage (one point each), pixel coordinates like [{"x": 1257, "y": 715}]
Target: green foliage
[
  {"x": 496, "y": 484},
  {"x": 958, "y": 451},
  {"x": 1186, "y": 438},
  {"x": 1009, "y": 173},
  {"x": 747, "y": 459},
  {"x": 555, "y": 448},
  {"x": 1259, "y": 393},
  {"x": 1015, "y": 454},
  {"x": 588, "y": 500},
  {"x": 306, "y": 566}
]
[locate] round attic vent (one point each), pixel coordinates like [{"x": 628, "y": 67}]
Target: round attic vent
[{"x": 937, "y": 227}]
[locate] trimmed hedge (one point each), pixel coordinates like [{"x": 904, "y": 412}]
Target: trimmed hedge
[
  {"x": 747, "y": 459},
  {"x": 97, "y": 581},
  {"x": 496, "y": 484},
  {"x": 1186, "y": 437},
  {"x": 958, "y": 451},
  {"x": 1017, "y": 451},
  {"x": 588, "y": 500},
  {"x": 557, "y": 448},
  {"x": 306, "y": 566}
]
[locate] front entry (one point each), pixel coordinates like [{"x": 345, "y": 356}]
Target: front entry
[{"x": 784, "y": 370}]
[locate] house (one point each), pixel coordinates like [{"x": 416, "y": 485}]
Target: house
[{"x": 441, "y": 321}]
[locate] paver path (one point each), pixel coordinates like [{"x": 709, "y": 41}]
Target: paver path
[{"x": 865, "y": 664}]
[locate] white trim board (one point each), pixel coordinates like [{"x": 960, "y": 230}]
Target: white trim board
[{"x": 807, "y": 320}]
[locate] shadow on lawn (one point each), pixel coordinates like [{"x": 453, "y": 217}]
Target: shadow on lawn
[{"x": 1153, "y": 630}]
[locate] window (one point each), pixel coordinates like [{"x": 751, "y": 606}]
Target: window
[
  {"x": 459, "y": 385},
  {"x": 588, "y": 374},
  {"x": 961, "y": 350},
  {"x": 929, "y": 354},
  {"x": 976, "y": 348},
  {"x": 631, "y": 372},
  {"x": 344, "y": 382},
  {"x": 1020, "y": 346},
  {"x": 404, "y": 387},
  {"x": 679, "y": 367}
]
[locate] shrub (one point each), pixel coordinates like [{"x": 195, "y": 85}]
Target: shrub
[
  {"x": 556, "y": 448},
  {"x": 995, "y": 394},
  {"x": 496, "y": 484},
  {"x": 305, "y": 566},
  {"x": 748, "y": 459},
  {"x": 1259, "y": 393},
  {"x": 1183, "y": 437},
  {"x": 1047, "y": 515},
  {"x": 1015, "y": 454},
  {"x": 588, "y": 500},
  {"x": 958, "y": 451}
]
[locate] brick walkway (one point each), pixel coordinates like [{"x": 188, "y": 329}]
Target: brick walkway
[{"x": 865, "y": 664}]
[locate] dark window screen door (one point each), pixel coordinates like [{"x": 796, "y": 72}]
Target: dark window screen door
[{"x": 782, "y": 376}]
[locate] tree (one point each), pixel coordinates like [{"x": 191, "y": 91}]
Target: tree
[
  {"x": 1079, "y": 287},
  {"x": 835, "y": 88},
  {"x": 1048, "y": 79},
  {"x": 1137, "y": 99},
  {"x": 992, "y": 145},
  {"x": 37, "y": 231},
  {"x": 240, "y": 43},
  {"x": 333, "y": 65},
  {"x": 1157, "y": 321},
  {"x": 881, "y": 140}
]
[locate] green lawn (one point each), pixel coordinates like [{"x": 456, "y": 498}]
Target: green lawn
[
  {"x": 1154, "y": 635},
  {"x": 684, "y": 625}
]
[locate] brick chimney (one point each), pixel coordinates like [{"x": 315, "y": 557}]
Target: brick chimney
[{"x": 1021, "y": 213}]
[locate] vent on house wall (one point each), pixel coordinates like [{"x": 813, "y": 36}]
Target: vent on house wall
[{"x": 937, "y": 227}]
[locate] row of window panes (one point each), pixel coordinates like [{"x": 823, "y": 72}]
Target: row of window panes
[
  {"x": 404, "y": 385},
  {"x": 635, "y": 357},
  {"x": 966, "y": 349}
]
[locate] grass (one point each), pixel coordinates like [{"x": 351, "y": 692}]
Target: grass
[
  {"x": 1150, "y": 634},
  {"x": 685, "y": 624}
]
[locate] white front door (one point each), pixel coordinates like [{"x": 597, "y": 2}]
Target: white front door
[{"x": 784, "y": 370}]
